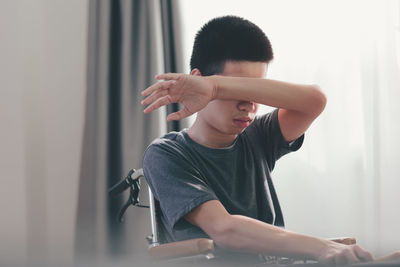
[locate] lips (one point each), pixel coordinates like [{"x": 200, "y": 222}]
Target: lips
[{"x": 242, "y": 122}]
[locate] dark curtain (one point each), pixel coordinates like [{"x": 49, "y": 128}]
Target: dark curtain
[
  {"x": 129, "y": 42},
  {"x": 172, "y": 50}
]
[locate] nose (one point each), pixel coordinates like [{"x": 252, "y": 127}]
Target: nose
[{"x": 247, "y": 106}]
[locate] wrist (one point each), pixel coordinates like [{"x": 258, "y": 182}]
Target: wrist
[
  {"x": 321, "y": 248},
  {"x": 214, "y": 85}
]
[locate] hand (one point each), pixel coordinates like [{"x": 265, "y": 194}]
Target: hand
[
  {"x": 340, "y": 254},
  {"x": 193, "y": 92}
]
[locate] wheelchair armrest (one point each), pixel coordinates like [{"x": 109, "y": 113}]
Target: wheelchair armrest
[
  {"x": 192, "y": 247},
  {"x": 344, "y": 240}
]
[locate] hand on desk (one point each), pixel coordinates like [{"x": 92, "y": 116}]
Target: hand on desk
[{"x": 340, "y": 254}]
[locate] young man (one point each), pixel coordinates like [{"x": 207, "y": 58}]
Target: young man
[{"x": 213, "y": 179}]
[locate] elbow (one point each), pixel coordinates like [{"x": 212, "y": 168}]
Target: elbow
[
  {"x": 317, "y": 101},
  {"x": 221, "y": 233},
  {"x": 224, "y": 234}
]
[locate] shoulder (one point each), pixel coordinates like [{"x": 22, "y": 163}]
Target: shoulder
[
  {"x": 162, "y": 155},
  {"x": 170, "y": 145}
]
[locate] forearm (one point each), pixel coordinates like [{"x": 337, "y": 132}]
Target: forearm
[
  {"x": 247, "y": 234},
  {"x": 307, "y": 99}
]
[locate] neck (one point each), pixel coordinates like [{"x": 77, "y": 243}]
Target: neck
[{"x": 206, "y": 135}]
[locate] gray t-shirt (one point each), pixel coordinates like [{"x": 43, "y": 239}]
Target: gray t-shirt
[{"x": 183, "y": 174}]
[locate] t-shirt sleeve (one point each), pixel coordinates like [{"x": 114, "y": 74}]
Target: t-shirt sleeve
[
  {"x": 174, "y": 182},
  {"x": 270, "y": 135}
]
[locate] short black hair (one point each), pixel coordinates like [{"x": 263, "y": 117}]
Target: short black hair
[{"x": 228, "y": 38}]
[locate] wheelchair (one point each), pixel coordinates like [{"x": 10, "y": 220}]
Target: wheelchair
[{"x": 201, "y": 251}]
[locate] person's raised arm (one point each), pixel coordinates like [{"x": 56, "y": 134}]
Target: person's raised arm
[{"x": 299, "y": 104}]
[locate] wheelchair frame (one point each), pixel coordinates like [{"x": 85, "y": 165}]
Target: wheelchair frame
[{"x": 199, "y": 248}]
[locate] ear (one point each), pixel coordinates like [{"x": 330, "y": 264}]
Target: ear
[{"x": 195, "y": 72}]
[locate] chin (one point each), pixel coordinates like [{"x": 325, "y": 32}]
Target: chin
[
  {"x": 241, "y": 130},
  {"x": 228, "y": 129},
  {"x": 238, "y": 130}
]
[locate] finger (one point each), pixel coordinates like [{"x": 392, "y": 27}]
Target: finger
[
  {"x": 168, "y": 76},
  {"x": 351, "y": 257},
  {"x": 179, "y": 114},
  {"x": 362, "y": 254},
  {"x": 163, "y": 101},
  {"x": 149, "y": 90},
  {"x": 157, "y": 86},
  {"x": 329, "y": 261},
  {"x": 154, "y": 96},
  {"x": 340, "y": 260}
]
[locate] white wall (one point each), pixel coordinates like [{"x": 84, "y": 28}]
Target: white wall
[{"x": 42, "y": 95}]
